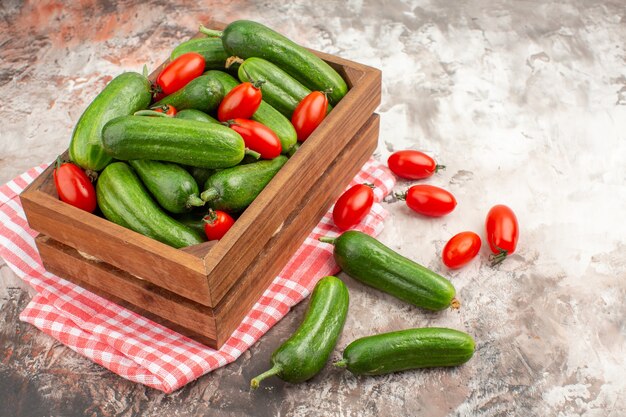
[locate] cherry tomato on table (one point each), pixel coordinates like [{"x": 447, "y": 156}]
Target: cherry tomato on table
[
  {"x": 502, "y": 232},
  {"x": 257, "y": 137},
  {"x": 353, "y": 205},
  {"x": 412, "y": 165},
  {"x": 309, "y": 114},
  {"x": 461, "y": 249},
  {"x": 216, "y": 224},
  {"x": 241, "y": 102},
  {"x": 180, "y": 72},
  {"x": 429, "y": 200},
  {"x": 74, "y": 186}
]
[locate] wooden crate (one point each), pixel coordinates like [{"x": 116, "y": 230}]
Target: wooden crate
[{"x": 205, "y": 290}]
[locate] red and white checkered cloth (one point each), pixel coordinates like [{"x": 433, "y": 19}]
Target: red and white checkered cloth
[{"x": 139, "y": 349}]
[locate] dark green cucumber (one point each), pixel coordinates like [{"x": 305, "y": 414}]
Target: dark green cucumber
[
  {"x": 194, "y": 221},
  {"x": 124, "y": 200},
  {"x": 245, "y": 39},
  {"x": 124, "y": 95},
  {"x": 306, "y": 352},
  {"x": 369, "y": 261},
  {"x": 265, "y": 114},
  {"x": 171, "y": 185},
  {"x": 203, "y": 93},
  {"x": 193, "y": 114},
  {"x": 407, "y": 349},
  {"x": 234, "y": 189},
  {"x": 189, "y": 142},
  {"x": 280, "y": 90},
  {"x": 211, "y": 48}
]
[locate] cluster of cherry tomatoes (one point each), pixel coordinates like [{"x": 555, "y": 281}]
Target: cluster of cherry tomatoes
[{"x": 501, "y": 224}]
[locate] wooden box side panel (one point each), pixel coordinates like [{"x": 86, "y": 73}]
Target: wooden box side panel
[
  {"x": 173, "y": 311},
  {"x": 296, "y": 227}
]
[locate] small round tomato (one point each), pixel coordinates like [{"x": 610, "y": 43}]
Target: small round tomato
[
  {"x": 412, "y": 165},
  {"x": 216, "y": 224},
  {"x": 74, "y": 186},
  {"x": 502, "y": 232},
  {"x": 429, "y": 200},
  {"x": 167, "y": 109},
  {"x": 257, "y": 137},
  {"x": 241, "y": 102},
  {"x": 180, "y": 72},
  {"x": 309, "y": 114},
  {"x": 461, "y": 249},
  {"x": 353, "y": 205}
]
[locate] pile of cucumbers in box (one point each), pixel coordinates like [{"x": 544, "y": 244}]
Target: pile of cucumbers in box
[
  {"x": 176, "y": 161},
  {"x": 179, "y": 159}
]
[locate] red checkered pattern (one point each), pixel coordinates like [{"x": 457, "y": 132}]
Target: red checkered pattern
[{"x": 131, "y": 345}]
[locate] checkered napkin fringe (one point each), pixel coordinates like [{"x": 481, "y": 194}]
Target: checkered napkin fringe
[{"x": 139, "y": 349}]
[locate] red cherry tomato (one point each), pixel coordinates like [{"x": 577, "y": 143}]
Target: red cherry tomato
[
  {"x": 429, "y": 200},
  {"x": 74, "y": 186},
  {"x": 216, "y": 224},
  {"x": 179, "y": 72},
  {"x": 167, "y": 109},
  {"x": 240, "y": 103},
  {"x": 309, "y": 114},
  {"x": 258, "y": 137},
  {"x": 461, "y": 249},
  {"x": 502, "y": 232},
  {"x": 353, "y": 205},
  {"x": 412, "y": 165}
]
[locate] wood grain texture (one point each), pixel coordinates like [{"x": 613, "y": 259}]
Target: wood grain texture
[{"x": 114, "y": 284}]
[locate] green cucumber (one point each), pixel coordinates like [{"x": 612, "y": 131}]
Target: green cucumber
[
  {"x": 211, "y": 48},
  {"x": 234, "y": 189},
  {"x": 201, "y": 174},
  {"x": 306, "y": 352},
  {"x": 193, "y": 114},
  {"x": 203, "y": 93},
  {"x": 173, "y": 187},
  {"x": 188, "y": 142},
  {"x": 407, "y": 349},
  {"x": 367, "y": 260},
  {"x": 265, "y": 114},
  {"x": 280, "y": 90},
  {"x": 124, "y": 200},
  {"x": 124, "y": 95},
  {"x": 245, "y": 39}
]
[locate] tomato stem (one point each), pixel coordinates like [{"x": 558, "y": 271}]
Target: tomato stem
[
  {"x": 209, "y": 194},
  {"x": 439, "y": 167},
  {"x": 150, "y": 113},
  {"x": 327, "y": 239},
  {"x": 341, "y": 364},
  {"x": 58, "y": 162},
  {"x": 210, "y": 32},
  {"x": 252, "y": 153},
  {"x": 497, "y": 258},
  {"x": 275, "y": 370},
  {"x": 211, "y": 217},
  {"x": 369, "y": 184},
  {"x": 194, "y": 201},
  {"x": 400, "y": 196},
  {"x": 251, "y": 80},
  {"x": 93, "y": 175}
]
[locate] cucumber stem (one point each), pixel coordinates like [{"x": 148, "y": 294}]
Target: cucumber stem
[
  {"x": 252, "y": 153},
  {"x": 455, "y": 303},
  {"x": 326, "y": 239},
  {"x": 341, "y": 364},
  {"x": 194, "y": 201},
  {"x": 293, "y": 149},
  {"x": 210, "y": 32},
  {"x": 232, "y": 60},
  {"x": 209, "y": 194},
  {"x": 254, "y": 382}
]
